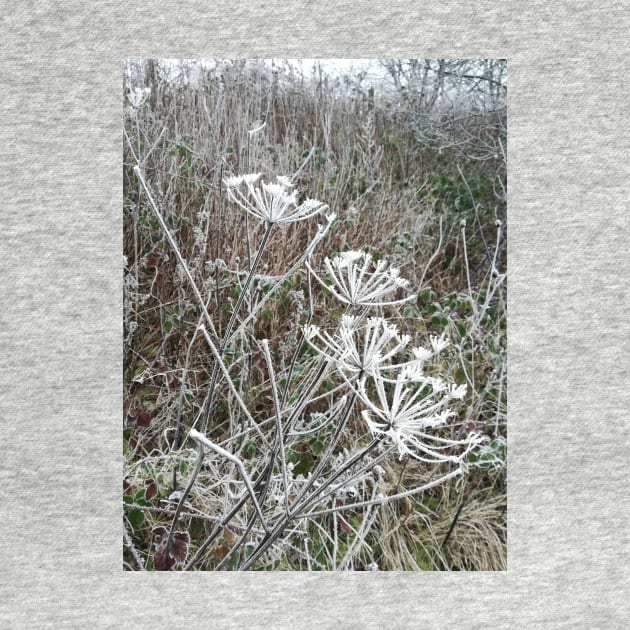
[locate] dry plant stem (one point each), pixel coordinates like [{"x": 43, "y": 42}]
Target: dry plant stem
[
  {"x": 215, "y": 532},
  {"x": 228, "y": 330},
  {"x": 453, "y": 523},
  {"x": 218, "y": 249},
  {"x": 235, "y": 547},
  {"x": 264, "y": 479},
  {"x": 366, "y": 525},
  {"x": 476, "y": 207},
  {"x": 132, "y": 549},
  {"x": 175, "y": 249},
  {"x": 324, "y": 459},
  {"x": 388, "y": 499},
  {"x": 494, "y": 282},
  {"x": 304, "y": 163},
  {"x": 204, "y": 441},
  {"x": 279, "y": 437},
  {"x": 180, "y": 406},
  {"x": 320, "y": 494},
  {"x": 435, "y": 253},
  {"x": 250, "y": 277},
  {"x": 309, "y": 318},
  {"x": 320, "y": 371},
  {"x": 271, "y": 537},
  {"x": 220, "y": 365},
  {"x": 470, "y": 294},
  {"x": 224, "y": 521},
  {"x": 499, "y": 397},
  {"x": 281, "y": 526},
  {"x": 298, "y": 263}
]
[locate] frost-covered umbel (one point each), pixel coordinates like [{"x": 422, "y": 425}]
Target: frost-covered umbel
[
  {"x": 403, "y": 403},
  {"x": 359, "y": 280},
  {"x": 272, "y": 203},
  {"x": 406, "y": 412},
  {"x": 358, "y": 350}
]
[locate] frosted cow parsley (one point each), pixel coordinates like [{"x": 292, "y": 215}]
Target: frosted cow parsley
[
  {"x": 359, "y": 280},
  {"x": 359, "y": 351},
  {"x": 272, "y": 203},
  {"x": 408, "y": 411}
]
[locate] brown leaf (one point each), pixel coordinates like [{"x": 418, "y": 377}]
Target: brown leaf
[
  {"x": 151, "y": 489},
  {"x": 154, "y": 258},
  {"x": 160, "y": 534},
  {"x": 161, "y": 562},
  {"x": 179, "y": 548},
  {"x": 171, "y": 380},
  {"x": 143, "y": 419},
  {"x": 139, "y": 416},
  {"x": 228, "y": 536}
]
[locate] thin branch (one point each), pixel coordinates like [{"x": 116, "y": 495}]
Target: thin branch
[
  {"x": 241, "y": 402},
  {"x": 435, "y": 253},
  {"x": 204, "y": 441},
  {"x": 132, "y": 549},
  {"x": 279, "y": 436},
  {"x": 382, "y": 500},
  {"x": 175, "y": 248}
]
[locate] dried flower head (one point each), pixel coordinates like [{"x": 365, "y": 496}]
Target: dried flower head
[
  {"x": 407, "y": 411},
  {"x": 359, "y": 350},
  {"x": 271, "y": 202},
  {"x": 357, "y": 279}
]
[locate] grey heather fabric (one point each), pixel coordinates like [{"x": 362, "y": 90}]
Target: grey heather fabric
[{"x": 61, "y": 287}]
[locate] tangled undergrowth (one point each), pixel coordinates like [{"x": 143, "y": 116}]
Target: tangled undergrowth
[{"x": 309, "y": 385}]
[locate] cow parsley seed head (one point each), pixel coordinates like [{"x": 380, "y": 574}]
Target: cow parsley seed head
[
  {"x": 407, "y": 412},
  {"x": 357, "y": 279},
  {"x": 439, "y": 343},
  {"x": 421, "y": 354},
  {"x": 359, "y": 349},
  {"x": 270, "y": 202},
  {"x": 284, "y": 181}
]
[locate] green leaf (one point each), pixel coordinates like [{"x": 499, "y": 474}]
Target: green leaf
[
  {"x": 135, "y": 518},
  {"x": 411, "y": 310},
  {"x": 249, "y": 548},
  {"x": 234, "y": 561},
  {"x": 426, "y": 296},
  {"x": 301, "y": 468}
]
